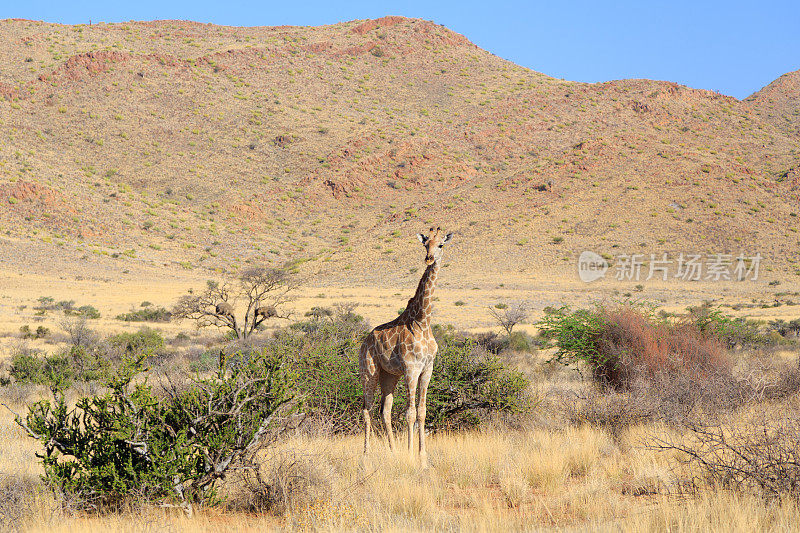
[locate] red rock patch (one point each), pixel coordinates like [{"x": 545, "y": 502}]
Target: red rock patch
[
  {"x": 27, "y": 191},
  {"x": 383, "y": 22}
]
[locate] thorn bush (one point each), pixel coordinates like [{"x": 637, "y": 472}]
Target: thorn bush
[{"x": 131, "y": 443}]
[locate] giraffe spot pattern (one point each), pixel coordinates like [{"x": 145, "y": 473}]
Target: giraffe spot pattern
[{"x": 404, "y": 347}]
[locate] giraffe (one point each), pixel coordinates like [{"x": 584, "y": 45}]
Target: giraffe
[{"x": 404, "y": 347}]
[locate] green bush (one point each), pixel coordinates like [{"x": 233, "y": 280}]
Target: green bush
[
  {"x": 575, "y": 335},
  {"x": 731, "y": 331},
  {"x": 83, "y": 362},
  {"x": 27, "y": 368},
  {"x": 319, "y": 312},
  {"x": 133, "y": 444},
  {"x": 48, "y": 303},
  {"x": 205, "y": 361},
  {"x": 467, "y": 382},
  {"x": 60, "y": 370},
  {"x": 323, "y": 355},
  {"x": 50, "y": 370},
  {"x": 328, "y": 378},
  {"x": 87, "y": 311},
  {"x": 143, "y": 341},
  {"x": 88, "y": 364},
  {"x": 150, "y": 314},
  {"x": 519, "y": 341},
  {"x": 40, "y": 332}
]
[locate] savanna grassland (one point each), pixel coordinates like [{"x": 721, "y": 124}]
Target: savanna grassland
[
  {"x": 140, "y": 160},
  {"x": 576, "y": 456}
]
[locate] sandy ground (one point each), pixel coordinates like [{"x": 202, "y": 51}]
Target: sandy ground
[
  {"x": 460, "y": 302},
  {"x": 29, "y": 271}
]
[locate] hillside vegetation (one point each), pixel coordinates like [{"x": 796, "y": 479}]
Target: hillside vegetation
[{"x": 202, "y": 146}]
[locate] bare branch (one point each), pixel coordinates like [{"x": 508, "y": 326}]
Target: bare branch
[
  {"x": 21, "y": 421},
  {"x": 509, "y": 316}
]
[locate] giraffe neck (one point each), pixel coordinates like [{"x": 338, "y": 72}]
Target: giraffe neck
[{"x": 421, "y": 305}]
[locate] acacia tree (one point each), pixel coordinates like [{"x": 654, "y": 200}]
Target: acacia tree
[
  {"x": 262, "y": 291},
  {"x": 509, "y": 316}
]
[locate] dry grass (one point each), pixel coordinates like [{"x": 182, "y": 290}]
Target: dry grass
[
  {"x": 715, "y": 511},
  {"x": 575, "y": 478},
  {"x": 585, "y": 466},
  {"x": 564, "y": 475}
]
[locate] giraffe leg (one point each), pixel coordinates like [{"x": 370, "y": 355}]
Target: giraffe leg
[
  {"x": 424, "y": 380},
  {"x": 369, "y": 397},
  {"x": 412, "y": 376},
  {"x": 388, "y": 384},
  {"x": 369, "y": 377}
]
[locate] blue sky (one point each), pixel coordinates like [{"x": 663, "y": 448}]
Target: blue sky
[{"x": 733, "y": 47}]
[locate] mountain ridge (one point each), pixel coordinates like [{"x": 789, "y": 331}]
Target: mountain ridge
[{"x": 210, "y": 147}]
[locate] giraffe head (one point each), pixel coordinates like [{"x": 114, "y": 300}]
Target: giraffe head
[{"x": 433, "y": 244}]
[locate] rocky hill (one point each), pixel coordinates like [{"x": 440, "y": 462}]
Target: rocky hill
[
  {"x": 779, "y": 103},
  {"x": 199, "y": 146}
]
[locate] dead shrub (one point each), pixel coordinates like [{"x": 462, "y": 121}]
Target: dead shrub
[
  {"x": 490, "y": 341},
  {"x": 287, "y": 481},
  {"x": 18, "y": 502},
  {"x": 613, "y": 412},
  {"x": 624, "y": 342},
  {"x": 674, "y": 398},
  {"x": 678, "y": 394},
  {"x": 758, "y": 456},
  {"x": 786, "y": 384},
  {"x": 79, "y": 332},
  {"x": 636, "y": 345},
  {"x": 20, "y": 393}
]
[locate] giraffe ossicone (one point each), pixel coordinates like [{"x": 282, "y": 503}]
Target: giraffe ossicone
[{"x": 404, "y": 347}]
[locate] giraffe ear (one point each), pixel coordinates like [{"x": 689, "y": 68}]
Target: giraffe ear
[
  {"x": 422, "y": 238},
  {"x": 447, "y": 238}
]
